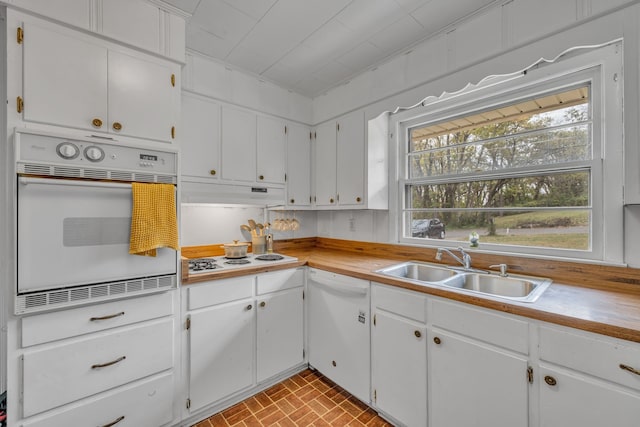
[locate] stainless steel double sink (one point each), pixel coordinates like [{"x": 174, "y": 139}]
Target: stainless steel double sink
[{"x": 511, "y": 287}]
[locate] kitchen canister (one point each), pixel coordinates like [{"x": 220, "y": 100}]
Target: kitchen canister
[{"x": 258, "y": 245}]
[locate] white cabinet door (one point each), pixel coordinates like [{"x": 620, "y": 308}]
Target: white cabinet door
[
  {"x": 298, "y": 165},
  {"x": 280, "y": 332},
  {"x": 65, "y": 78},
  {"x": 238, "y": 145},
  {"x": 399, "y": 368},
  {"x": 132, "y": 21},
  {"x": 350, "y": 159},
  {"x": 200, "y": 137},
  {"x": 221, "y": 352},
  {"x": 141, "y": 97},
  {"x": 74, "y": 12},
  {"x": 568, "y": 399},
  {"x": 325, "y": 165},
  {"x": 270, "y": 150},
  {"x": 476, "y": 385}
]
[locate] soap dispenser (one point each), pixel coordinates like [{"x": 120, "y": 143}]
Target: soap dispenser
[{"x": 269, "y": 243}]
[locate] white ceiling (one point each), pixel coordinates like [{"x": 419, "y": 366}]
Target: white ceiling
[{"x": 311, "y": 46}]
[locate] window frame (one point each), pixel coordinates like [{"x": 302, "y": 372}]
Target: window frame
[{"x": 601, "y": 68}]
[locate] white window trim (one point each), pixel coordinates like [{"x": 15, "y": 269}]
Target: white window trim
[{"x": 602, "y": 66}]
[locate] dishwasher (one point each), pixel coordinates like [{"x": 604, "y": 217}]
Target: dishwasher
[{"x": 339, "y": 338}]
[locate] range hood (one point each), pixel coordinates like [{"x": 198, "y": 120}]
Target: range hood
[{"x": 231, "y": 193}]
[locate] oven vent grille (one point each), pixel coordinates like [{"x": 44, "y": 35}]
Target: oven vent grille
[
  {"x": 50, "y": 300},
  {"x": 92, "y": 173}
]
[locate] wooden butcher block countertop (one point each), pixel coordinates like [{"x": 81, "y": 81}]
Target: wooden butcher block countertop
[{"x": 594, "y": 298}]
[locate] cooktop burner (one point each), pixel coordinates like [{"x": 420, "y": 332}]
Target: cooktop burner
[
  {"x": 203, "y": 264},
  {"x": 269, "y": 257}
]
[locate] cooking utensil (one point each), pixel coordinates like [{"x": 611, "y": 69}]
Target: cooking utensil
[
  {"x": 260, "y": 228},
  {"x": 235, "y": 249},
  {"x": 245, "y": 228}
]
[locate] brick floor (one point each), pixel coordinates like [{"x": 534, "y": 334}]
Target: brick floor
[{"x": 307, "y": 399}]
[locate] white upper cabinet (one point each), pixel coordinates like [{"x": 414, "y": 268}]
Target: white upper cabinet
[
  {"x": 271, "y": 140},
  {"x": 77, "y": 81},
  {"x": 238, "y": 145},
  {"x": 350, "y": 170},
  {"x": 200, "y": 137},
  {"x": 135, "y": 22},
  {"x": 298, "y": 165}
]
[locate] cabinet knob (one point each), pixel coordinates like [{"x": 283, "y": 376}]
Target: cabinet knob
[
  {"x": 212, "y": 172},
  {"x": 418, "y": 334},
  {"x": 249, "y": 307},
  {"x": 117, "y": 126},
  {"x": 333, "y": 362},
  {"x": 292, "y": 201},
  {"x": 97, "y": 123},
  {"x": 262, "y": 304},
  {"x": 550, "y": 380},
  {"x": 358, "y": 199},
  {"x": 261, "y": 177},
  {"x": 436, "y": 340},
  {"x": 331, "y": 200}
]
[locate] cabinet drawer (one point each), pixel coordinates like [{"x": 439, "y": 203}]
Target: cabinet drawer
[
  {"x": 280, "y": 280},
  {"x": 592, "y": 354},
  {"x": 145, "y": 403},
  {"x": 412, "y": 305},
  {"x": 220, "y": 291},
  {"x": 481, "y": 324},
  {"x": 78, "y": 321},
  {"x": 64, "y": 373}
]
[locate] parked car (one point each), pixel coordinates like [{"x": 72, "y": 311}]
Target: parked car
[{"x": 432, "y": 228}]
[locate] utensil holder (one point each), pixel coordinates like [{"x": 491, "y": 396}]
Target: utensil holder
[{"x": 258, "y": 245}]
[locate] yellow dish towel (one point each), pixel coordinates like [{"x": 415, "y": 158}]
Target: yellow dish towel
[{"x": 153, "y": 218}]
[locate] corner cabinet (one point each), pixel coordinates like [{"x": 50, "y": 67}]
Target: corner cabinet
[
  {"x": 74, "y": 80},
  {"x": 298, "y": 166},
  {"x": 350, "y": 169},
  {"x": 241, "y": 333}
]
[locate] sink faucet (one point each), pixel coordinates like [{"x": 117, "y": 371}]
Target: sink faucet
[{"x": 465, "y": 260}]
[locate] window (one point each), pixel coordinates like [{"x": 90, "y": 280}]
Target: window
[{"x": 519, "y": 163}]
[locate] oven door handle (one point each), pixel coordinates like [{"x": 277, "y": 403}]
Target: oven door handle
[{"x": 71, "y": 182}]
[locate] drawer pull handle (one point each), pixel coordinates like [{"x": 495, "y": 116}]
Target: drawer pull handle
[
  {"x": 114, "y": 422},
  {"x": 111, "y": 316},
  {"x": 630, "y": 369},
  {"x": 550, "y": 380},
  {"x": 104, "y": 365}
]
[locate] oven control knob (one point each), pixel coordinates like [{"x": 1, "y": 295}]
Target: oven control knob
[
  {"x": 93, "y": 153},
  {"x": 67, "y": 150}
]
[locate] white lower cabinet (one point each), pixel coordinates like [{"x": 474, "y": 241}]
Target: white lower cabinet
[
  {"x": 399, "y": 355},
  {"x": 242, "y": 332},
  {"x": 88, "y": 365},
  {"x": 587, "y": 380},
  {"x": 221, "y": 358},
  {"x": 478, "y": 364}
]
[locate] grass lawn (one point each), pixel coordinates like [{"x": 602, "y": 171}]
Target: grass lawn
[
  {"x": 543, "y": 219},
  {"x": 565, "y": 241}
]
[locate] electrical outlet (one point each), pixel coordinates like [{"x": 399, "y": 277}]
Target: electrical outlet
[{"x": 352, "y": 224}]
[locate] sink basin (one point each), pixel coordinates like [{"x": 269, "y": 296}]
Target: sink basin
[
  {"x": 419, "y": 271},
  {"x": 515, "y": 288},
  {"x": 512, "y": 287}
]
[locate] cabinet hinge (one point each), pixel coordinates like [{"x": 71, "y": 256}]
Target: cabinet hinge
[
  {"x": 19, "y": 104},
  {"x": 310, "y": 135},
  {"x": 173, "y": 132},
  {"x": 315, "y": 135},
  {"x": 530, "y": 374},
  {"x": 188, "y": 403},
  {"x": 19, "y": 35},
  {"x": 374, "y": 320},
  {"x": 285, "y": 177},
  {"x": 173, "y": 80},
  {"x": 303, "y": 353},
  {"x": 302, "y": 294},
  {"x": 285, "y": 130},
  {"x": 337, "y": 197},
  {"x": 338, "y": 127},
  {"x": 375, "y": 395},
  {"x": 187, "y": 324}
]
